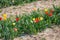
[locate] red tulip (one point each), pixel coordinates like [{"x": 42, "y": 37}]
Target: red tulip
[
  {"x": 46, "y": 12},
  {"x": 36, "y": 20},
  {"x": 50, "y": 14},
  {"x": 0, "y": 18},
  {"x": 17, "y": 19}
]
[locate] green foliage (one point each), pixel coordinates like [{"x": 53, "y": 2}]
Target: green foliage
[{"x": 57, "y": 14}]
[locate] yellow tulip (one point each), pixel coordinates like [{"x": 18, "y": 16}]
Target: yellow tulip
[
  {"x": 46, "y": 9},
  {"x": 41, "y": 18},
  {"x": 33, "y": 18},
  {"x": 4, "y": 18},
  {"x": 13, "y": 24},
  {"x": 5, "y": 15}
]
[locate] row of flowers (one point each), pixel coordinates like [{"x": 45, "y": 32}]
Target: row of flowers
[{"x": 27, "y": 24}]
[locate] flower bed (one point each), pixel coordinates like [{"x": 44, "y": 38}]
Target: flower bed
[{"x": 28, "y": 24}]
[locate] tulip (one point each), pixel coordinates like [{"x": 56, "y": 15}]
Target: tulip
[
  {"x": 50, "y": 14},
  {"x": 41, "y": 18},
  {"x": 4, "y": 15},
  {"x": 4, "y": 18},
  {"x": 17, "y": 19},
  {"x": 13, "y": 24},
  {"x": 33, "y": 18},
  {"x": 36, "y": 20},
  {"x": 15, "y": 29},
  {"x": 0, "y": 18},
  {"x": 46, "y": 10}
]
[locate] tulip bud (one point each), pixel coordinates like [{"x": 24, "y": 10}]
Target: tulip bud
[
  {"x": 41, "y": 18},
  {"x": 46, "y": 10},
  {"x": 13, "y": 24}
]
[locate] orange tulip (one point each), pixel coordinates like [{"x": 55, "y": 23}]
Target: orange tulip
[
  {"x": 50, "y": 14},
  {"x": 46, "y": 12},
  {"x": 36, "y": 20}
]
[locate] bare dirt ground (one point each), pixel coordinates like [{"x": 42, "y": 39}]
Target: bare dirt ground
[
  {"x": 48, "y": 34},
  {"x": 28, "y": 7}
]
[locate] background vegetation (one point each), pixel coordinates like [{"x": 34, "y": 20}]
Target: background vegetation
[{"x": 6, "y": 3}]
